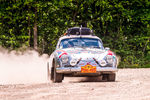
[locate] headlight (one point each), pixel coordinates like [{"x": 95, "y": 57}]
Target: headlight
[
  {"x": 73, "y": 62},
  {"x": 103, "y": 63},
  {"x": 64, "y": 59},
  {"x": 109, "y": 59}
]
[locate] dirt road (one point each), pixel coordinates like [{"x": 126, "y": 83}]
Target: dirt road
[
  {"x": 131, "y": 84},
  {"x": 24, "y": 77}
]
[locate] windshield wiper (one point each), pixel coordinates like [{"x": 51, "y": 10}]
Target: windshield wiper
[{"x": 94, "y": 47}]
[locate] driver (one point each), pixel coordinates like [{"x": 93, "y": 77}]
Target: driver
[{"x": 70, "y": 44}]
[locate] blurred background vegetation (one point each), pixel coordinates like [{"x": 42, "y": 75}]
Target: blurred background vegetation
[{"x": 123, "y": 25}]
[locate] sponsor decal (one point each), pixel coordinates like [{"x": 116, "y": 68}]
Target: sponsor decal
[
  {"x": 88, "y": 69},
  {"x": 61, "y": 52},
  {"x": 73, "y": 51},
  {"x": 94, "y": 64},
  {"x": 110, "y": 53},
  {"x": 81, "y": 64},
  {"x": 83, "y": 51}
]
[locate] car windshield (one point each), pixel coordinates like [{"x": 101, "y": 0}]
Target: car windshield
[{"x": 81, "y": 42}]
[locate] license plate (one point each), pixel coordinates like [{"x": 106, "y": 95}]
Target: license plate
[{"x": 88, "y": 69}]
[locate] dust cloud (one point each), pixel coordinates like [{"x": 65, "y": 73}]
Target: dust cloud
[{"x": 22, "y": 68}]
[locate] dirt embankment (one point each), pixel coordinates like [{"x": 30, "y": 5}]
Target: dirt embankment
[{"x": 24, "y": 77}]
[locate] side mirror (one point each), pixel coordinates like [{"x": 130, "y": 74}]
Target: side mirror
[{"x": 107, "y": 48}]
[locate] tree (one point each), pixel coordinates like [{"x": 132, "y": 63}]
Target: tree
[{"x": 123, "y": 25}]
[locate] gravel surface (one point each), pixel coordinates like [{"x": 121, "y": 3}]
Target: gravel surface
[
  {"x": 24, "y": 77},
  {"x": 131, "y": 84}
]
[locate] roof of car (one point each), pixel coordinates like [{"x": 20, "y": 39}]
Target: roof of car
[{"x": 78, "y": 36}]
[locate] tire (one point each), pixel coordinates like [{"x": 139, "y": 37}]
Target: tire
[
  {"x": 52, "y": 73},
  {"x": 57, "y": 77},
  {"x": 111, "y": 77},
  {"x": 48, "y": 73},
  {"x": 104, "y": 77}
]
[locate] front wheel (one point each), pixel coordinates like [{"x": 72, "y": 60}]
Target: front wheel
[
  {"x": 52, "y": 73},
  {"x": 112, "y": 77},
  {"x": 109, "y": 77},
  {"x": 48, "y": 72},
  {"x": 57, "y": 77}
]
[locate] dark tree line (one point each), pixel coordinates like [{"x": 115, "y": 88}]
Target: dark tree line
[{"x": 123, "y": 25}]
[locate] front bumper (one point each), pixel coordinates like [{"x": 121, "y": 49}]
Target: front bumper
[{"x": 78, "y": 70}]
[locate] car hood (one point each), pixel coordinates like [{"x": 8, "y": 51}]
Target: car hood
[{"x": 83, "y": 53}]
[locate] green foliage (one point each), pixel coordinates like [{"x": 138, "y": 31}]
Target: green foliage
[{"x": 123, "y": 25}]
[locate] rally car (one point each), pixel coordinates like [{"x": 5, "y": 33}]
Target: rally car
[{"x": 80, "y": 53}]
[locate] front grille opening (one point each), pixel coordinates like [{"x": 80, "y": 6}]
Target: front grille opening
[{"x": 68, "y": 66}]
